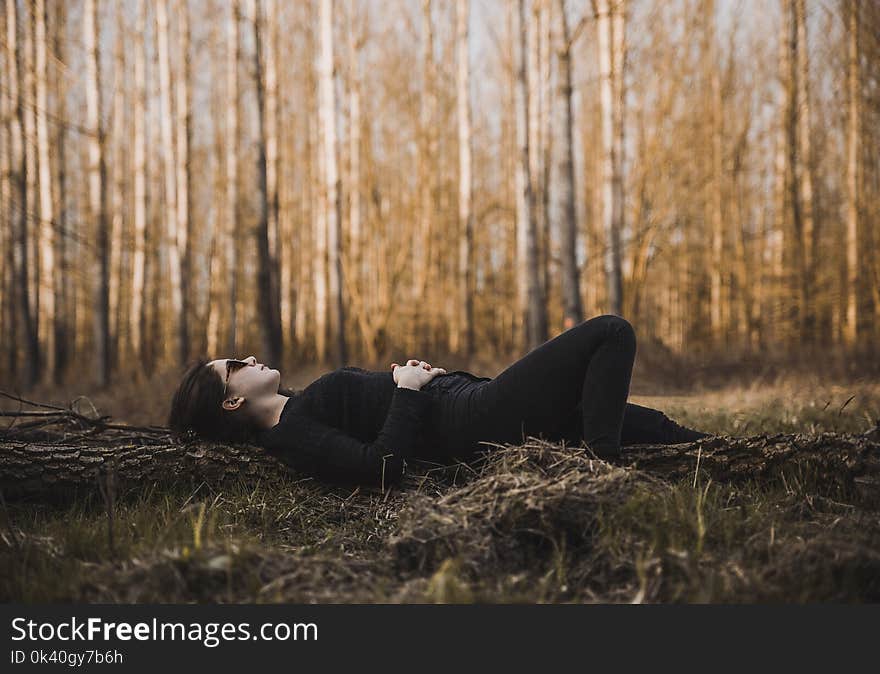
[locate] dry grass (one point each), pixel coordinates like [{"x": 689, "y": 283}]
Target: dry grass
[{"x": 533, "y": 523}]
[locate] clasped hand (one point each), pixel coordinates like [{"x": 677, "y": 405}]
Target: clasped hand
[{"x": 415, "y": 374}]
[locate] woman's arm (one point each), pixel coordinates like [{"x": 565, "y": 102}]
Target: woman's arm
[{"x": 330, "y": 453}]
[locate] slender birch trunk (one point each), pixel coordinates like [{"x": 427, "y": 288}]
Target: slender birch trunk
[
  {"x": 331, "y": 183},
  {"x": 613, "y": 273},
  {"x": 465, "y": 181},
  {"x": 422, "y": 243},
  {"x": 564, "y": 212},
  {"x": 716, "y": 216},
  {"x": 272, "y": 168},
  {"x": 117, "y": 216},
  {"x": 176, "y": 321},
  {"x": 354, "y": 146},
  {"x": 32, "y": 218},
  {"x": 97, "y": 190},
  {"x": 230, "y": 244},
  {"x": 853, "y": 170},
  {"x": 808, "y": 233},
  {"x": 184, "y": 175},
  {"x": 26, "y": 335},
  {"x": 269, "y": 318},
  {"x": 64, "y": 335},
  {"x": 530, "y": 298},
  {"x": 782, "y": 169},
  {"x": 136, "y": 315},
  {"x": 47, "y": 274}
]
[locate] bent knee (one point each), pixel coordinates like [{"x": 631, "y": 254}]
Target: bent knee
[{"x": 616, "y": 325}]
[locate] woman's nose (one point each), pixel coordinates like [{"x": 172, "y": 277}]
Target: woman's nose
[{"x": 252, "y": 359}]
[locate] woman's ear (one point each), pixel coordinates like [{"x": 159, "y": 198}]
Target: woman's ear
[{"x": 233, "y": 403}]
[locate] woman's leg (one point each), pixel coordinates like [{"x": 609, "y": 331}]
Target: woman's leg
[
  {"x": 644, "y": 425},
  {"x": 590, "y": 364}
]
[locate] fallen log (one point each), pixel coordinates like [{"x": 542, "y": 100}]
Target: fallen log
[{"x": 32, "y": 467}]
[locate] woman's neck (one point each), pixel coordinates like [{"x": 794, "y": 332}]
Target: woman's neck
[{"x": 269, "y": 411}]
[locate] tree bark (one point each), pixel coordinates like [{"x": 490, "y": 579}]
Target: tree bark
[
  {"x": 176, "y": 320},
  {"x": 50, "y": 469},
  {"x": 138, "y": 288},
  {"x": 183, "y": 173},
  {"x": 465, "y": 183},
  {"x": 331, "y": 184},
  {"x": 805, "y": 192},
  {"x": 97, "y": 192},
  {"x": 117, "y": 186},
  {"x": 269, "y": 316},
  {"x": 853, "y": 145},
  {"x": 564, "y": 210},
  {"x": 27, "y": 334},
  {"x": 529, "y": 286},
  {"x": 47, "y": 272},
  {"x": 612, "y": 266}
]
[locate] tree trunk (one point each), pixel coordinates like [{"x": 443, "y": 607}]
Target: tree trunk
[
  {"x": 273, "y": 216},
  {"x": 176, "y": 321},
  {"x": 465, "y": 183},
  {"x": 47, "y": 272},
  {"x": 613, "y": 272},
  {"x": 782, "y": 168},
  {"x": 230, "y": 243},
  {"x": 355, "y": 43},
  {"x": 52, "y": 469},
  {"x": 136, "y": 315},
  {"x": 564, "y": 212},
  {"x": 618, "y": 72},
  {"x": 712, "y": 55},
  {"x": 320, "y": 215},
  {"x": 269, "y": 318},
  {"x": 97, "y": 192},
  {"x": 529, "y": 287},
  {"x": 331, "y": 184},
  {"x": 117, "y": 185},
  {"x": 422, "y": 243},
  {"x": 64, "y": 335},
  {"x": 184, "y": 172},
  {"x": 26, "y": 335},
  {"x": 853, "y": 145},
  {"x": 808, "y": 232}
]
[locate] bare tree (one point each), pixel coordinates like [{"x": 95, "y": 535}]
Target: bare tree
[
  {"x": 612, "y": 265},
  {"x": 422, "y": 243},
  {"x": 177, "y": 320},
  {"x": 805, "y": 193},
  {"x": 26, "y": 334},
  {"x": 230, "y": 244},
  {"x": 136, "y": 312},
  {"x": 564, "y": 212},
  {"x": 331, "y": 182},
  {"x": 531, "y": 302},
  {"x": 117, "y": 185},
  {"x": 269, "y": 318},
  {"x": 184, "y": 172},
  {"x": 47, "y": 318},
  {"x": 97, "y": 191},
  {"x": 465, "y": 181},
  {"x": 853, "y": 176}
]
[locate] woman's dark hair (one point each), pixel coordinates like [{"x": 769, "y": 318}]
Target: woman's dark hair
[{"x": 196, "y": 409}]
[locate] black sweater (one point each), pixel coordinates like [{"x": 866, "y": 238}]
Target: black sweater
[{"x": 356, "y": 425}]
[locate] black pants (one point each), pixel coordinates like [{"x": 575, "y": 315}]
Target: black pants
[{"x": 573, "y": 387}]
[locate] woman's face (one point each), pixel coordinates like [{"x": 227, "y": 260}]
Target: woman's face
[{"x": 252, "y": 381}]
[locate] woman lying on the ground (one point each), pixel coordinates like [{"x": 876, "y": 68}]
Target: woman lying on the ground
[{"x": 358, "y": 425}]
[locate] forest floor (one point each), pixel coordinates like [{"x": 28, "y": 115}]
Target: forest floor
[{"x": 536, "y": 523}]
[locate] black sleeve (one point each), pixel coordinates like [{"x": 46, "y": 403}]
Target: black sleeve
[{"x": 333, "y": 454}]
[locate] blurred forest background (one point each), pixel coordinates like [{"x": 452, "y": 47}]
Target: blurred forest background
[{"x": 346, "y": 182}]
